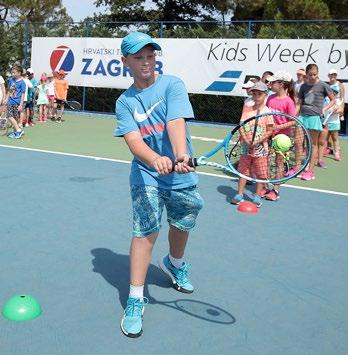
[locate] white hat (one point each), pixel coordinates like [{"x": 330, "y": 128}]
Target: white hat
[
  {"x": 260, "y": 86},
  {"x": 280, "y": 75},
  {"x": 248, "y": 85},
  {"x": 30, "y": 71},
  {"x": 332, "y": 71}
]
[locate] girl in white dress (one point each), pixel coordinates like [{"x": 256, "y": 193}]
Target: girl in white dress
[{"x": 42, "y": 100}]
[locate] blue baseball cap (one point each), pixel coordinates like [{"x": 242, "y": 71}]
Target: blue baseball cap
[{"x": 135, "y": 41}]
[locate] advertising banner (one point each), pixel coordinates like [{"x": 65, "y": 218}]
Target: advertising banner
[{"x": 207, "y": 66}]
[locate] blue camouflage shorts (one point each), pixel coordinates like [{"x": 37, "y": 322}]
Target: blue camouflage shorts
[
  {"x": 12, "y": 112},
  {"x": 182, "y": 205}
]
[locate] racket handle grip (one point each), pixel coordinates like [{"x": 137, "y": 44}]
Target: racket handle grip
[{"x": 192, "y": 162}]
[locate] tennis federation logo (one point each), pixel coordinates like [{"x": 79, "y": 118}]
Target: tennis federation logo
[{"x": 62, "y": 58}]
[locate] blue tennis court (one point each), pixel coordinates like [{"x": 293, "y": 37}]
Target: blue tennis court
[{"x": 269, "y": 283}]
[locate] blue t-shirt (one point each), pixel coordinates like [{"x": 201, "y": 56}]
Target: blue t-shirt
[
  {"x": 147, "y": 111},
  {"x": 32, "y": 91},
  {"x": 16, "y": 89}
]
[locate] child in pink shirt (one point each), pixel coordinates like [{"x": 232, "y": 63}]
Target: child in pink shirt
[{"x": 282, "y": 100}]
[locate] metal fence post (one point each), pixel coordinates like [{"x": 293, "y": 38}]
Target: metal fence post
[
  {"x": 84, "y": 91},
  {"x": 25, "y": 40},
  {"x": 249, "y": 29},
  {"x": 161, "y": 29}
]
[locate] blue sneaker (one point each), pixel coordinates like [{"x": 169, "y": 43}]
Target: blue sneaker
[
  {"x": 11, "y": 135},
  {"x": 237, "y": 199},
  {"x": 179, "y": 276},
  {"x": 256, "y": 199},
  {"x": 19, "y": 134},
  {"x": 132, "y": 320}
]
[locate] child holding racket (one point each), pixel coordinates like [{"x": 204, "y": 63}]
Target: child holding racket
[
  {"x": 331, "y": 127},
  {"x": 151, "y": 116},
  {"x": 254, "y": 147},
  {"x": 310, "y": 108},
  {"x": 332, "y": 75},
  {"x": 282, "y": 100},
  {"x": 61, "y": 87}
]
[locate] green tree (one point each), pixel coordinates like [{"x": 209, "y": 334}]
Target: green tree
[
  {"x": 294, "y": 9},
  {"x": 338, "y": 9},
  {"x": 161, "y": 10},
  {"x": 249, "y": 9},
  {"x": 32, "y": 10},
  {"x": 29, "y": 18}
]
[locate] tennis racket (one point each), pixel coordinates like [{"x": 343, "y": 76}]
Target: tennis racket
[
  {"x": 249, "y": 152},
  {"x": 326, "y": 118},
  {"x": 5, "y": 124},
  {"x": 73, "y": 105}
]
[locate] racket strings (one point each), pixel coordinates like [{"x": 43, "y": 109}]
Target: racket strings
[
  {"x": 3, "y": 123},
  {"x": 74, "y": 105},
  {"x": 289, "y": 162},
  {"x": 262, "y": 161}
]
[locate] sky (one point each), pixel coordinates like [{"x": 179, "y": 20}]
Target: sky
[{"x": 80, "y": 9}]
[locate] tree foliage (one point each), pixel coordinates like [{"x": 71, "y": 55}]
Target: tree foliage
[
  {"x": 290, "y": 10},
  {"x": 25, "y": 19},
  {"x": 33, "y": 10}
]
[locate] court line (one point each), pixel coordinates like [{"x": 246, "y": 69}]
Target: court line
[
  {"x": 198, "y": 172},
  {"x": 205, "y": 139}
]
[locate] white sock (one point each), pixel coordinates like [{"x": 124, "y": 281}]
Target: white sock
[
  {"x": 176, "y": 262},
  {"x": 136, "y": 291}
]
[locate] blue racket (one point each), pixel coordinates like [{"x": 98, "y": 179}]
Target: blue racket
[{"x": 250, "y": 154}]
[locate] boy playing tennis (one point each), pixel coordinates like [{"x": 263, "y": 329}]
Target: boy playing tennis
[{"x": 151, "y": 117}]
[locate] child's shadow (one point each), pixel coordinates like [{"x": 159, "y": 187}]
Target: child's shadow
[{"x": 114, "y": 268}]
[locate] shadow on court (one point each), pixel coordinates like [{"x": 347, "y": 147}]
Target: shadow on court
[
  {"x": 114, "y": 268},
  {"x": 230, "y": 191}
]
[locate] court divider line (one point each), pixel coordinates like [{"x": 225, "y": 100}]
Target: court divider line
[{"x": 198, "y": 172}]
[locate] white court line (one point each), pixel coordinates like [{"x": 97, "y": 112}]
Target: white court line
[
  {"x": 199, "y": 172},
  {"x": 204, "y": 139},
  {"x": 67, "y": 154},
  {"x": 287, "y": 185}
]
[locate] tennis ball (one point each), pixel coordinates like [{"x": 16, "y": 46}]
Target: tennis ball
[{"x": 281, "y": 142}]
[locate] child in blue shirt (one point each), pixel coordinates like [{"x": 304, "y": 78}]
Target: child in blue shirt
[
  {"x": 151, "y": 116},
  {"x": 15, "y": 100}
]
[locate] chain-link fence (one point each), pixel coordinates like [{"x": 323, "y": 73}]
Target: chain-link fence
[{"x": 103, "y": 100}]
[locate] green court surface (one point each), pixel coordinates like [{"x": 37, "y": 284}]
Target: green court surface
[{"x": 92, "y": 135}]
